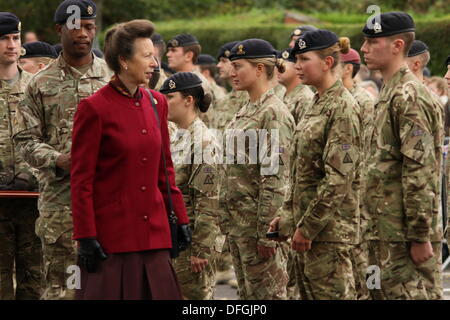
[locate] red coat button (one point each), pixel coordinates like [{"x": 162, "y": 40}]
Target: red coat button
[
  {"x": 143, "y": 188},
  {"x": 144, "y": 131},
  {"x": 145, "y": 218}
]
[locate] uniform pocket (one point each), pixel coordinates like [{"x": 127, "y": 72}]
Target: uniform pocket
[{"x": 319, "y": 265}]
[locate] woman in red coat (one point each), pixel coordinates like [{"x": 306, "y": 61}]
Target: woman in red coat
[{"x": 118, "y": 182}]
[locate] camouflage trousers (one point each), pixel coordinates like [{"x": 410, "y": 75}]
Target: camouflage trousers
[
  {"x": 292, "y": 287},
  {"x": 59, "y": 253},
  {"x": 400, "y": 278},
  {"x": 224, "y": 261},
  {"x": 195, "y": 286},
  {"x": 258, "y": 278},
  {"x": 328, "y": 272},
  {"x": 19, "y": 246},
  {"x": 360, "y": 261}
]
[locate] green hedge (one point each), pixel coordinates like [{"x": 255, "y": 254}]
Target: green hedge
[{"x": 435, "y": 33}]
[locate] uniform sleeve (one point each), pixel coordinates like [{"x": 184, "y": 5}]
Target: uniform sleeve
[
  {"x": 86, "y": 137},
  {"x": 420, "y": 167},
  {"x": 274, "y": 172},
  {"x": 205, "y": 185},
  {"x": 29, "y": 134},
  {"x": 177, "y": 197},
  {"x": 341, "y": 160}
]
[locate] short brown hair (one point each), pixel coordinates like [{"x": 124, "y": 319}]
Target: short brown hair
[
  {"x": 407, "y": 37},
  {"x": 119, "y": 40},
  {"x": 196, "y": 49}
]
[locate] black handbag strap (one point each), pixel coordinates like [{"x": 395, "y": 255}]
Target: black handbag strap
[{"x": 172, "y": 216}]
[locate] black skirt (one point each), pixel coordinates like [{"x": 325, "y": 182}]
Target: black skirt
[{"x": 146, "y": 275}]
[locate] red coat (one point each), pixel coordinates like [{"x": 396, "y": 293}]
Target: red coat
[{"x": 117, "y": 177}]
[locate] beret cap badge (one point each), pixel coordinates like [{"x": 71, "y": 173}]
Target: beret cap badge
[
  {"x": 19, "y": 27},
  {"x": 285, "y": 55},
  {"x": 297, "y": 32},
  {"x": 227, "y": 53},
  {"x": 23, "y": 51},
  {"x": 240, "y": 50},
  {"x": 301, "y": 44},
  {"x": 90, "y": 10},
  {"x": 172, "y": 85},
  {"x": 174, "y": 43},
  {"x": 377, "y": 28}
]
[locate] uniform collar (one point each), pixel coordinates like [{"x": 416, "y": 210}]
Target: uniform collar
[
  {"x": 21, "y": 83},
  {"x": 330, "y": 93},
  {"x": 390, "y": 86},
  {"x": 252, "y": 107},
  {"x": 95, "y": 70}
]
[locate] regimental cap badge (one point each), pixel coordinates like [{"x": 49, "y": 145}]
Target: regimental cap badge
[
  {"x": 285, "y": 55},
  {"x": 240, "y": 50},
  {"x": 172, "y": 85},
  {"x": 301, "y": 44},
  {"x": 227, "y": 53},
  {"x": 90, "y": 10},
  {"x": 174, "y": 43},
  {"x": 23, "y": 51},
  {"x": 19, "y": 27},
  {"x": 377, "y": 27},
  {"x": 297, "y": 32}
]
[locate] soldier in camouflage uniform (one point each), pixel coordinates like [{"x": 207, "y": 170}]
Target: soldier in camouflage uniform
[
  {"x": 254, "y": 190},
  {"x": 19, "y": 245},
  {"x": 198, "y": 179},
  {"x": 186, "y": 47},
  {"x": 404, "y": 168},
  {"x": 323, "y": 206},
  {"x": 351, "y": 63},
  {"x": 207, "y": 65},
  {"x": 298, "y": 97},
  {"x": 43, "y": 138}
]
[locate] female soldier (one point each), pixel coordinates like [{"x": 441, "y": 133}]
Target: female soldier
[
  {"x": 324, "y": 200},
  {"x": 198, "y": 180},
  {"x": 255, "y": 189}
]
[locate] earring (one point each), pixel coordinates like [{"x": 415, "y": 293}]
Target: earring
[{"x": 126, "y": 67}]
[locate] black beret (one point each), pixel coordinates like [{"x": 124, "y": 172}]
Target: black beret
[
  {"x": 251, "y": 49},
  {"x": 88, "y": 10},
  {"x": 388, "y": 24},
  {"x": 302, "y": 29},
  {"x": 181, "y": 81},
  {"x": 9, "y": 23},
  {"x": 98, "y": 53},
  {"x": 206, "y": 59},
  {"x": 418, "y": 47},
  {"x": 39, "y": 49},
  {"x": 183, "y": 40},
  {"x": 314, "y": 40},
  {"x": 58, "y": 48},
  {"x": 157, "y": 38},
  {"x": 225, "y": 50},
  {"x": 447, "y": 62},
  {"x": 287, "y": 55}
]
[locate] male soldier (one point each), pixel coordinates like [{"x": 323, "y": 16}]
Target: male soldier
[
  {"x": 43, "y": 136},
  {"x": 18, "y": 242},
  {"x": 208, "y": 68},
  {"x": 351, "y": 63},
  {"x": 160, "y": 49},
  {"x": 37, "y": 56},
  {"x": 297, "y": 32},
  {"x": 183, "y": 52},
  {"x": 298, "y": 96},
  {"x": 403, "y": 169}
]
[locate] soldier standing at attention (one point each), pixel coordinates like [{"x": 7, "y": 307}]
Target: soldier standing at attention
[
  {"x": 198, "y": 178},
  {"x": 37, "y": 55},
  {"x": 254, "y": 190},
  {"x": 403, "y": 188},
  {"x": 323, "y": 206},
  {"x": 19, "y": 245},
  {"x": 207, "y": 66},
  {"x": 351, "y": 63},
  {"x": 43, "y": 137},
  {"x": 298, "y": 96},
  {"x": 182, "y": 55}
]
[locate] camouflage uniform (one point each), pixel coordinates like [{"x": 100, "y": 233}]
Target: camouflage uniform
[
  {"x": 18, "y": 242},
  {"x": 280, "y": 91},
  {"x": 360, "y": 263},
  {"x": 227, "y": 107},
  {"x": 198, "y": 180},
  {"x": 325, "y": 194},
  {"x": 298, "y": 101},
  {"x": 403, "y": 188},
  {"x": 43, "y": 133},
  {"x": 252, "y": 194},
  {"x": 162, "y": 78},
  {"x": 208, "y": 117}
]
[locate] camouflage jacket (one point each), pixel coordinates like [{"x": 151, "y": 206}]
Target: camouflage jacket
[
  {"x": 208, "y": 117},
  {"x": 254, "y": 190},
  {"x": 44, "y": 124},
  {"x": 325, "y": 194},
  {"x": 298, "y": 101},
  {"x": 198, "y": 178},
  {"x": 404, "y": 166},
  {"x": 11, "y": 163},
  {"x": 227, "y": 107}
]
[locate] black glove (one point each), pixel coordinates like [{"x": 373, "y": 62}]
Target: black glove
[
  {"x": 184, "y": 237},
  {"x": 90, "y": 252}
]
